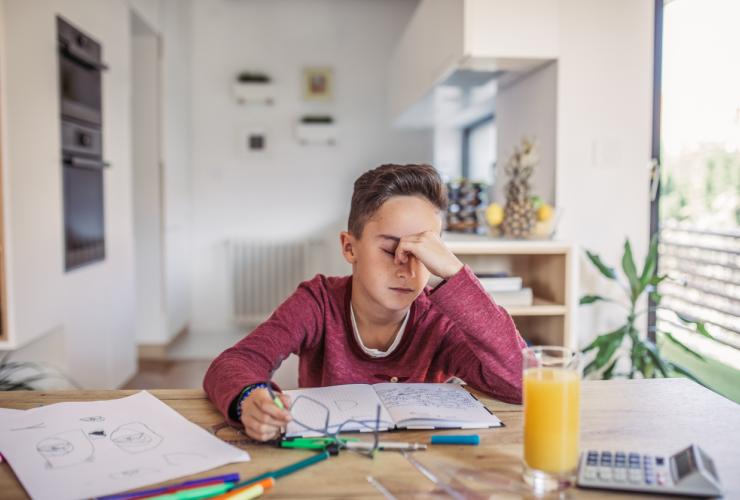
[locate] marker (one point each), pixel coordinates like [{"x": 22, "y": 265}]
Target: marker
[
  {"x": 196, "y": 493},
  {"x": 276, "y": 399},
  {"x": 249, "y": 491},
  {"x": 471, "y": 439},
  {"x": 226, "y": 478}
]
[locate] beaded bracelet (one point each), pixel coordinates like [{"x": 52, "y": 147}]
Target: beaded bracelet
[{"x": 245, "y": 394}]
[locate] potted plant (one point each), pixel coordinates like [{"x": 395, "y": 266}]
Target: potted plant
[
  {"x": 23, "y": 375},
  {"x": 644, "y": 355}
]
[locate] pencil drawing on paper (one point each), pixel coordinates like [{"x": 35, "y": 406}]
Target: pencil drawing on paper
[
  {"x": 135, "y": 437},
  {"x": 40, "y": 425},
  {"x": 97, "y": 434},
  {"x": 129, "y": 473},
  {"x": 96, "y": 418},
  {"x": 345, "y": 404},
  {"x": 66, "y": 449}
]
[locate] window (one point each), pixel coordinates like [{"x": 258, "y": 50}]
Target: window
[{"x": 479, "y": 150}]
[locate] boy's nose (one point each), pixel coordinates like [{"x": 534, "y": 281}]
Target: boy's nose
[{"x": 407, "y": 270}]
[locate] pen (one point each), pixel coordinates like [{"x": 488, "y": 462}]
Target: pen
[
  {"x": 275, "y": 398},
  {"x": 225, "y": 478},
  {"x": 386, "y": 445},
  {"x": 288, "y": 469}
]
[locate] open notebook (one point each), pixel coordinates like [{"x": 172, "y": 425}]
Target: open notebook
[{"x": 402, "y": 406}]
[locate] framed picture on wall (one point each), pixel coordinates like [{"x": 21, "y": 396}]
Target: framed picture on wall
[{"x": 318, "y": 84}]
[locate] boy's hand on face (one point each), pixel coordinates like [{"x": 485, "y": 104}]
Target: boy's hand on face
[
  {"x": 261, "y": 417},
  {"x": 431, "y": 251}
]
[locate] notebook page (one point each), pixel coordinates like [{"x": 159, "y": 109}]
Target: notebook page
[
  {"x": 344, "y": 402},
  {"x": 434, "y": 405}
]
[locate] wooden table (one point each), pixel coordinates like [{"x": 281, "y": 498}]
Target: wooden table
[{"x": 660, "y": 415}]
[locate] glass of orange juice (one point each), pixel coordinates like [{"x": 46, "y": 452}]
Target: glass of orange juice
[{"x": 552, "y": 410}]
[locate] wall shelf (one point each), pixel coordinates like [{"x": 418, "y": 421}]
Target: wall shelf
[
  {"x": 544, "y": 266},
  {"x": 254, "y": 93},
  {"x": 316, "y": 133}
]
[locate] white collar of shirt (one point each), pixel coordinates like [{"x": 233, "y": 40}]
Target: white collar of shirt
[{"x": 377, "y": 353}]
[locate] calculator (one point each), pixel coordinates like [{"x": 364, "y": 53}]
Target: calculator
[{"x": 689, "y": 472}]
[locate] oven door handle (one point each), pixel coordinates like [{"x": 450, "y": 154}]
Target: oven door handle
[
  {"x": 72, "y": 51},
  {"x": 74, "y": 161}
]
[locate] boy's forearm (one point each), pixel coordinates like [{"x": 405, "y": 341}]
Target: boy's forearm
[{"x": 487, "y": 335}]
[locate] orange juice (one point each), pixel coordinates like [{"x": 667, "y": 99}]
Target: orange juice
[{"x": 551, "y": 419}]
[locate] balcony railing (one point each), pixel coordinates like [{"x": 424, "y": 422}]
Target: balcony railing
[{"x": 704, "y": 284}]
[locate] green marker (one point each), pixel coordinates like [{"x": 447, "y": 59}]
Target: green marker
[
  {"x": 312, "y": 443},
  {"x": 196, "y": 493},
  {"x": 276, "y": 399}
]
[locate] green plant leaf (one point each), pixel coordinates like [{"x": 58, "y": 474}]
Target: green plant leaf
[
  {"x": 603, "y": 268},
  {"x": 609, "y": 346},
  {"x": 654, "y": 354},
  {"x": 589, "y": 368},
  {"x": 651, "y": 261},
  {"x": 628, "y": 266},
  {"x": 607, "y": 374},
  {"x": 699, "y": 325},
  {"x": 683, "y": 346},
  {"x": 590, "y": 299}
]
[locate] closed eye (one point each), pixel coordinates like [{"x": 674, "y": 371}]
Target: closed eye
[{"x": 389, "y": 252}]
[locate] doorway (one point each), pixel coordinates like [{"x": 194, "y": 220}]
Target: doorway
[{"x": 150, "y": 318}]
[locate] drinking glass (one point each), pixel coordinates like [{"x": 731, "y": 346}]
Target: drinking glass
[{"x": 552, "y": 390}]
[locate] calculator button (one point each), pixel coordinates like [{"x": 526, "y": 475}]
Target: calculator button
[
  {"x": 590, "y": 473},
  {"x": 635, "y": 476},
  {"x": 620, "y": 475},
  {"x": 605, "y": 474},
  {"x": 659, "y": 460},
  {"x": 660, "y": 479}
]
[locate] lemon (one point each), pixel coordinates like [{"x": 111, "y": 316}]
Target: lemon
[
  {"x": 494, "y": 214},
  {"x": 544, "y": 213}
]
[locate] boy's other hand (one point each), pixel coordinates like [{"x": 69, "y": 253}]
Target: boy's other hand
[
  {"x": 262, "y": 418},
  {"x": 431, "y": 251}
]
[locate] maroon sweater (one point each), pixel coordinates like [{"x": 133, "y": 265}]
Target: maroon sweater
[{"x": 453, "y": 330}]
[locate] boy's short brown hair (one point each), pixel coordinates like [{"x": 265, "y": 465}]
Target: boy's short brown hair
[{"x": 376, "y": 186}]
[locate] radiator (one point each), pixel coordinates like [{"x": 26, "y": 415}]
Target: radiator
[{"x": 266, "y": 273}]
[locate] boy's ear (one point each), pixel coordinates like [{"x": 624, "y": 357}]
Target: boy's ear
[{"x": 348, "y": 246}]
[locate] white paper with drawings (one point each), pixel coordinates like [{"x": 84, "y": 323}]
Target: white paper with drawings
[
  {"x": 435, "y": 405},
  {"x": 89, "y": 449},
  {"x": 344, "y": 402}
]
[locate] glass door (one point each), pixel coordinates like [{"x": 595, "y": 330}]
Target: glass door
[{"x": 696, "y": 204}]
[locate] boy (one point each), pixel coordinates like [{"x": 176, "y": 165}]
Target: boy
[{"x": 381, "y": 323}]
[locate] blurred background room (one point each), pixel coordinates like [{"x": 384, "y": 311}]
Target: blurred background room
[{"x": 172, "y": 169}]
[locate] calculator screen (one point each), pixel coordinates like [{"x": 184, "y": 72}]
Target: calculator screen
[{"x": 684, "y": 463}]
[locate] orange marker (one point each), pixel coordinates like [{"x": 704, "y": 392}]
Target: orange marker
[{"x": 249, "y": 491}]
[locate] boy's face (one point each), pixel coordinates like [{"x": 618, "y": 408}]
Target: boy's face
[{"x": 389, "y": 286}]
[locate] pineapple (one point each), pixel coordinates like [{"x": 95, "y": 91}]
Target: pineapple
[{"x": 519, "y": 214}]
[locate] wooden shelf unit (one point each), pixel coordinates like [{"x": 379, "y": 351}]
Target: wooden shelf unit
[{"x": 544, "y": 266}]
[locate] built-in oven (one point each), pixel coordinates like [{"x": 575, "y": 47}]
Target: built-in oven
[
  {"x": 80, "y": 88},
  {"x": 80, "y": 69},
  {"x": 84, "y": 207}
]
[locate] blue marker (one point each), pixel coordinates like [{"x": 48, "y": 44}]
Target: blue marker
[{"x": 471, "y": 439}]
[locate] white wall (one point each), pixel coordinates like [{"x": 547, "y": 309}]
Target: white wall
[
  {"x": 603, "y": 136},
  {"x": 292, "y": 191},
  {"x": 92, "y": 305},
  {"x": 527, "y": 107}
]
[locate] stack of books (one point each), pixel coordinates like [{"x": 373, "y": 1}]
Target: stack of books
[{"x": 506, "y": 291}]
